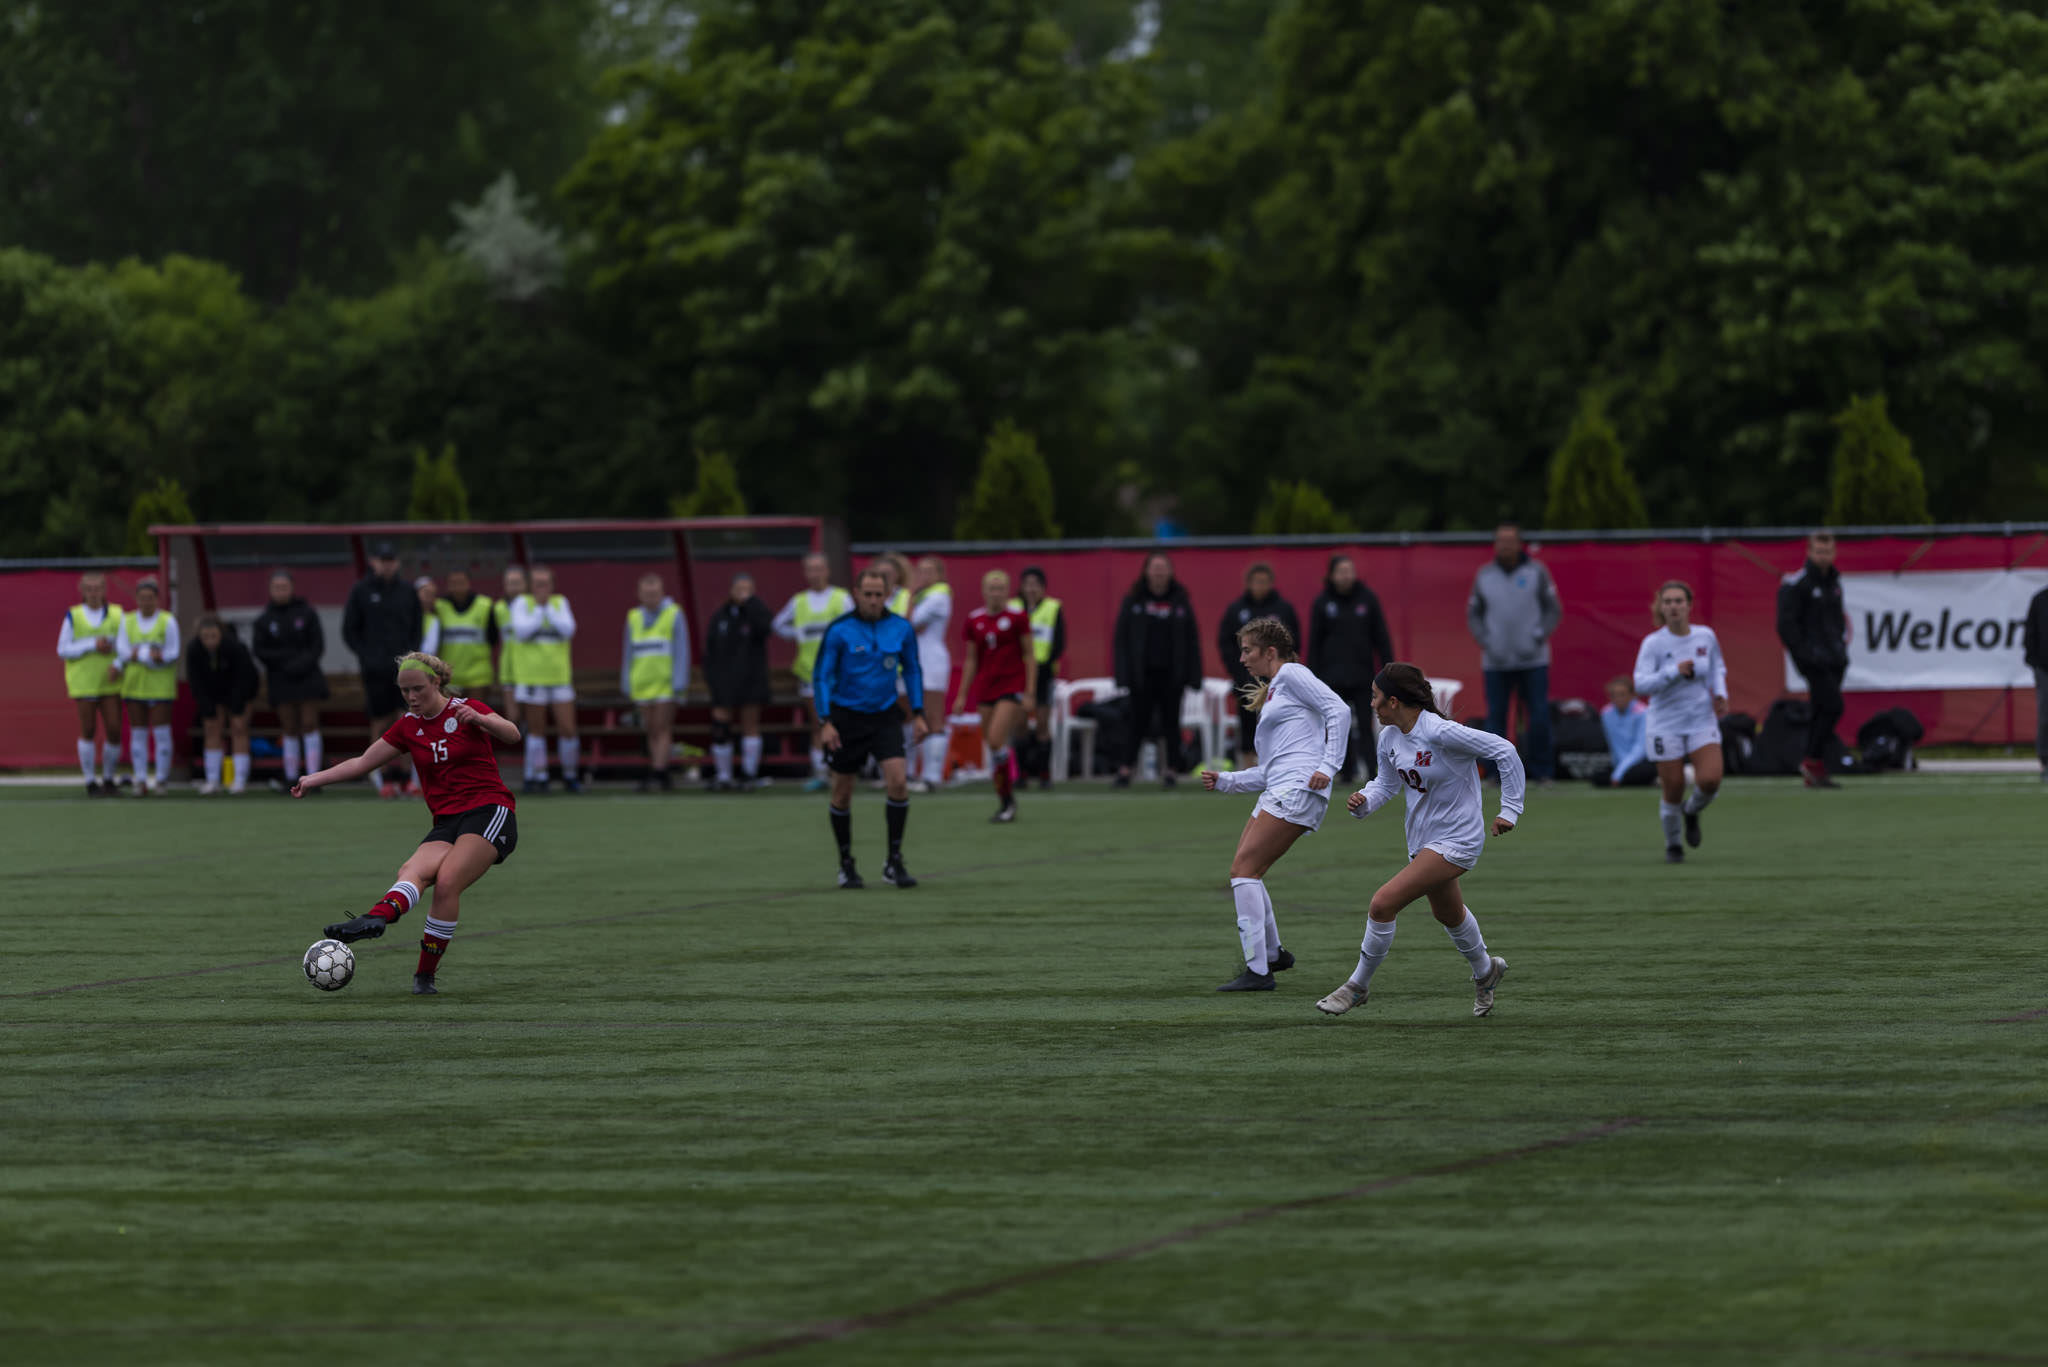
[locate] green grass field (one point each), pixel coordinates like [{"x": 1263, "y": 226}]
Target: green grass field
[{"x": 681, "y": 1101}]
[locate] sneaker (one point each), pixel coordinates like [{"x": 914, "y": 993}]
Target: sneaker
[
  {"x": 722, "y": 785},
  {"x": 920, "y": 787},
  {"x": 1482, "y": 988},
  {"x": 1692, "y": 829},
  {"x": 666, "y": 781},
  {"x": 572, "y": 785},
  {"x": 645, "y": 785},
  {"x": 849, "y": 876},
  {"x": 206, "y": 789},
  {"x": 1344, "y": 999},
  {"x": 1005, "y": 814},
  {"x": 814, "y": 784},
  {"x": 423, "y": 985},
  {"x": 1674, "y": 854},
  {"x": 895, "y": 875},
  {"x": 534, "y": 785},
  {"x": 361, "y": 928},
  {"x": 1249, "y": 981},
  {"x": 1281, "y": 962},
  {"x": 93, "y": 789},
  {"x": 762, "y": 781},
  {"x": 1169, "y": 781}
]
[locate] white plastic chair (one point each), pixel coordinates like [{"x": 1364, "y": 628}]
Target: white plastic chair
[
  {"x": 1198, "y": 716},
  {"x": 1219, "y": 703},
  {"x": 1446, "y": 692},
  {"x": 1068, "y": 696}
]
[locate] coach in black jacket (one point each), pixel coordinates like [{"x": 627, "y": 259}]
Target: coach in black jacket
[
  {"x": 1258, "y": 600},
  {"x": 1348, "y": 643},
  {"x": 1815, "y": 632},
  {"x": 2036, "y": 638},
  {"x": 1158, "y": 657}
]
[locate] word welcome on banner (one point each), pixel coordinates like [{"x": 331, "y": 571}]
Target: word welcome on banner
[{"x": 1944, "y": 629}]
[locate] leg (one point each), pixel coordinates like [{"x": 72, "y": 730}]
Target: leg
[
  {"x": 1670, "y": 814},
  {"x": 1825, "y": 690},
  {"x": 160, "y": 737},
  {"x": 468, "y": 859},
  {"x": 138, "y": 744},
  {"x": 661, "y": 735},
  {"x": 999, "y": 722},
  {"x": 841, "y": 813},
  {"x": 721, "y": 745},
  {"x": 536, "y": 745},
  {"x": 937, "y": 733},
  {"x": 1447, "y": 904},
  {"x": 110, "y": 737},
  {"x": 750, "y": 741},
  {"x": 1426, "y": 872},
  {"x": 288, "y": 723},
  {"x": 1266, "y": 837},
  {"x": 1542, "y": 757},
  {"x": 212, "y": 747},
  {"x": 1706, "y": 774},
  {"x": 414, "y": 875},
  {"x": 238, "y": 746},
  {"x": 88, "y": 713},
  {"x": 896, "y": 810},
  {"x": 568, "y": 745}
]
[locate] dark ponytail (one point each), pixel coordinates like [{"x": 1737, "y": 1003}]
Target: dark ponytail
[{"x": 1407, "y": 683}]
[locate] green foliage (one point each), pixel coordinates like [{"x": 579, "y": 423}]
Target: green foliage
[
  {"x": 718, "y": 490},
  {"x": 1590, "y": 484},
  {"x": 1013, "y": 493},
  {"x": 1298, "y": 508},
  {"x": 164, "y": 504},
  {"x": 438, "y": 493},
  {"x": 1877, "y": 482}
]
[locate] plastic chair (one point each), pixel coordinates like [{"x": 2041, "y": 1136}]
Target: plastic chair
[
  {"x": 1219, "y": 701},
  {"x": 1198, "y": 716},
  {"x": 1446, "y": 692},
  {"x": 1068, "y": 696}
]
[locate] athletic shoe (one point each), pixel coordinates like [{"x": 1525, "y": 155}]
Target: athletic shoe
[
  {"x": 1344, "y": 999},
  {"x": 814, "y": 784},
  {"x": 1281, "y": 961},
  {"x": 849, "y": 876},
  {"x": 1816, "y": 774},
  {"x": 1169, "y": 782},
  {"x": 666, "y": 781},
  {"x": 1249, "y": 981},
  {"x": 762, "y": 781},
  {"x": 361, "y": 928},
  {"x": 1045, "y": 784},
  {"x": 895, "y": 875},
  {"x": 572, "y": 785},
  {"x": 920, "y": 787},
  {"x": 1674, "y": 854},
  {"x": 722, "y": 785},
  {"x": 534, "y": 785},
  {"x": 423, "y": 985},
  {"x": 206, "y": 789},
  {"x": 1692, "y": 829},
  {"x": 1482, "y": 988},
  {"x": 1005, "y": 814},
  {"x": 92, "y": 788}
]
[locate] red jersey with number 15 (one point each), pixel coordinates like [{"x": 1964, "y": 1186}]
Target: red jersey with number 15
[
  {"x": 457, "y": 764},
  {"x": 1000, "y": 640}
]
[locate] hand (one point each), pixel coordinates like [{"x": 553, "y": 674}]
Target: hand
[
  {"x": 1720, "y": 707},
  {"x": 104, "y": 645},
  {"x": 466, "y": 714},
  {"x": 919, "y": 727},
  {"x": 1355, "y": 803},
  {"x": 301, "y": 788},
  {"x": 828, "y": 737},
  {"x": 1501, "y": 825},
  {"x": 1209, "y": 779},
  {"x": 1685, "y": 669},
  {"x": 1318, "y": 781}
]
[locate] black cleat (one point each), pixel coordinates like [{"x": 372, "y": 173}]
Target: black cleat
[
  {"x": 666, "y": 780},
  {"x": 896, "y": 876},
  {"x": 423, "y": 985},
  {"x": 534, "y": 785},
  {"x": 92, "y": 788},
  {"x": 1692, "y": 829},
  {"x": 849, "y": 876},
  {"x": 1281, "y": 961},
  {"x": 1674, "y": 854},
  {"x": 362, "y": 928},
  {"x": 1169, "y": 781},
  {"x": 572, "y": 785},
  {"x": 1005, "y": 814},
  {"x": 1249, "y": 981}
]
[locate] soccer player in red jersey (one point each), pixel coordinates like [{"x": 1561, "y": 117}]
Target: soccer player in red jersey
[
  {"x": 452, "y": 742},
  {"x": 1000, "y": 679}
]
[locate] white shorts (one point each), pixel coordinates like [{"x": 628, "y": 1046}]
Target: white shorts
[
  {"x": 1300, "y": 806},
  {"x": 1664, "y": 746},
  {"x": 530, "y": 694},
  {"x": 1464, "y": 856}
]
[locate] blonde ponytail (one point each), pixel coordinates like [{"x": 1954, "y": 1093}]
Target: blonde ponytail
[{"x": 1261, "y": 633}]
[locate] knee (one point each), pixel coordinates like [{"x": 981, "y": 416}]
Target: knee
[{"x": 1382, "y": 907}]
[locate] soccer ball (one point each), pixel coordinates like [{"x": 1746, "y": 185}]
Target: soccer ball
[{"x": 329, "y": 965}]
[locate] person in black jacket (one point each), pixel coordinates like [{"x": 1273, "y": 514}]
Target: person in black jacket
[
  {"x": 223, "y": 676},
  {"x": 381, "y": 623},
  {"x": 288, "y": 640},
  {"x": 1258, "y": 600},
  {"x": 2035, "y": 638},
  {"x": 1815, "y": 632},
  {"x": 1348, "y": 643},
  {"x": 1158, "y": 657},
  {"x": 736, "y": 669}
]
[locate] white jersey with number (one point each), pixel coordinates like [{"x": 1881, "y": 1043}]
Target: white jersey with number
[
  {"x": 1436, "y": 763},
  {"x": 1679, "y": 705}
]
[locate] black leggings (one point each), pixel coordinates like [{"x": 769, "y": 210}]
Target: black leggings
[
  {"x": 1155, "y": 715},
  {"x": 1824, "y": 687}
]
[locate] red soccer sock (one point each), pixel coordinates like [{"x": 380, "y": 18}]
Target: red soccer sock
[
  {"x": 431, "y": 947},
  {"x": 395, "y": 903},
  {"x": 1001, "y": 761}
]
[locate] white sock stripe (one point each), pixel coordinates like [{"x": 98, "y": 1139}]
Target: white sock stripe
[
  {"x": 440, "y": 930},
  {"x": 412, "y": 893}
]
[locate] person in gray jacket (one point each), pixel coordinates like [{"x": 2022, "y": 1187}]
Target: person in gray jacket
[{"x": 1512, "y": 614}]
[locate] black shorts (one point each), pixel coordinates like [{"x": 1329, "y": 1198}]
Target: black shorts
[
  {"x": 381, "y": 697},
  {"x": 1017, "y": 698},
  {"x": 499, "y": 825},
  {"x": 864, "y": 736},
  {"x": 226, "y": 707}
]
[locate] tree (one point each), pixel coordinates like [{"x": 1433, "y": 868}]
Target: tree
[
  {"x": 1877, "y": 482},
  {"x": 1590, "y": 485},
  {"x": 1013, "y": 493},
  {"x": 438, "y": 493},
  {"x": 718, "y": 490},
  {"x": 521, "y": 259},
  {"x": 1296, "y": 509},
  {"x": 163, "y": 505}
]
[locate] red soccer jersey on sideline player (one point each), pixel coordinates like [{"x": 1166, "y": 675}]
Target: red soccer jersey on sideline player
[
  {"x": 1001, "y": 638},
  {"x": 457, "y": 765}
]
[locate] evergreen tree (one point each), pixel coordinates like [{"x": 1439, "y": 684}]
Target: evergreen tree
[
  {"x": 717, "y": 493},
  {"x": 1297, "y": 509},
  {"x": 1590, "y": 484},
  {"x": 1877, "y": 481},
  {"x": 164, "y": 504},
  {"x": 438, "y": 493},
  {"x": 1012, "y": 498}
]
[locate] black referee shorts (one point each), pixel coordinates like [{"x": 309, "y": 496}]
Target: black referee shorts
[
  {"x": 864, "y": 736},
  {"x": 494, "y": 823}
]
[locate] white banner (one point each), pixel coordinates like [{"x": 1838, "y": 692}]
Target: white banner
[{"x": 1940, "y": 629}]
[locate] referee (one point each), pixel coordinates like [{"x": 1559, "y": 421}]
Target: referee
[{"x": 858, "y": 662}]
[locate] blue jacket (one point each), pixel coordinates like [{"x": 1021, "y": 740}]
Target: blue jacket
[
  {"x": 1625, "y": 735},
  {"x": 858, "y": 662}
]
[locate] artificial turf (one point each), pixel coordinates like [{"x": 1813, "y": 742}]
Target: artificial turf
[{"x": 680, "y": 1098}]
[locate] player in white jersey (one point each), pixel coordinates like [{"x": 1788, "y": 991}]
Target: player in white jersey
[
  {"x": 931, "y": 615},
  {"x": 1434, "y": 758},
  {"x": 1681, "y": 670},
  {"x": 1302, "y": 731}
]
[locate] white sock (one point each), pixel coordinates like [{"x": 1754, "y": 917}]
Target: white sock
[
  {"x": 721, "y": 760},
  {"x": 1465, "y": 935},
  {"x": 1668, "y": 813},
  {"x": 1699, "y": 801},
  {"x": 1250, "y": 896},
  {"x": 241, "y": 772},
  {"x": 316, "y": 754},
  {"x": 817, "y": 762},
  {"x": 410, "y": 892},
  {"x": 138, "y": 754},
  {"x": 935, "y": 757},
  {"x": 569, "y": 750},
  {"x": 110, "y": 751},
  {"x": 536, "y": 757},
  {"x": 1379, "y": 938},
  {"x": 213, "y": 759},
  {"x": 85, "y": 758},
  {"x": 750, "y": 756},
  {"x": 290, "y": 745},
  {"x": 162, "y": 736},
  {"x": 1272, "y": 926}
]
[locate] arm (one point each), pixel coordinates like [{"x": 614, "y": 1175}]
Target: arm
[
  {"x": 430, "y": 636},
  {"x": 174, "y": 641},
  {"x": 124, "y": 649},
  {"x": 380, "y": 753},
  {"x": 1380, "y": 791},
  {"x": 1648, "y": 678},
  {"x": 681, "y": 655},
  {"x": 1788, "y": 620},
  {"x": 352, "y": 622},
  {"x": 1336, "y": 722},
  {"x": 821, "y": 675},
  {"x": 527, "y": 619},
  {"x": 1552, "y": 608},
  {"x": 1030, "y": 649},
  {"x": 71, "y": 646},
  {"x": 1252, "y": 780},
  {"x": 1121, "y": 663},
  {"x": 784, "y": 624},
  {"x": 1376, "y": 626},
  {"x": 1475, "y": 612},
  {"x": 316, "y": 643},
  {"x": 561, "y": 616},
  {"x": 968, "y": 666},
  {"x": 1717, "y": 679},
  {"x": 1059, "y": 638},
  {"x": 913, "y": 678},
  {"x": 626, "y": 655},
  {"x": 1463, "y": 740},
  {"x": 499, "y": 729}
]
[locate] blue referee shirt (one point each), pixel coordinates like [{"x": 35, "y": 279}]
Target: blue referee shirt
[{"x": 858, "y": 662}]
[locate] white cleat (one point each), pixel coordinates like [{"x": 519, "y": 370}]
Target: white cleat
[
  {"x": 1482, "y": 988},
  {"x": 1343, "y": 999}
]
